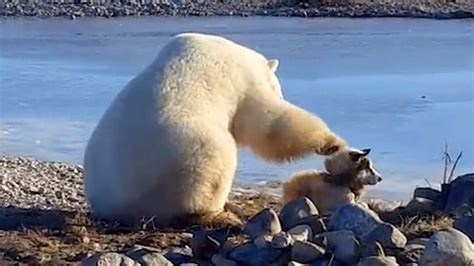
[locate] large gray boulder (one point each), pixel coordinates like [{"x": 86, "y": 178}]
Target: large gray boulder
[
  {"x": 387, "y": 235},
  {"x": 356, "y": 218},
  {"x": 465, "y": 225},
  {"x": 449, "y": 247},
  {"x": 343, "y": 244},
  {"x": 305, "y": 252},
  {"x": 461, "y": 192}
]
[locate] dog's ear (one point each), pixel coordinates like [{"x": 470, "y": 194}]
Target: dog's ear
[{"x": 357, "y": 155}]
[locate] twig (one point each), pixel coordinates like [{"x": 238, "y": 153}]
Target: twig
[
  {"x": 447, "y": 161},
  {"x": 454, "y": 167},
  {"x": 428, "y": 182}
]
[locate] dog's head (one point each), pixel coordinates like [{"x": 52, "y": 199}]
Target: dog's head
[{"x": 353, "y": 161}]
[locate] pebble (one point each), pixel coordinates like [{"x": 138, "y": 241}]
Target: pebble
[
  {"x": 294, "y": 211},
  {"x": 45, "y": 186},
  {"x": 316, "y": 223},
  {"x": 265, "y": 222},
  {"x": 282, "y": 240},
  {"x": 109, "y": 258},
  {"x": 305, "y": 252},
  {"x": 154, "y": 259},
  {"x": 301, "y": 232},
  {"x": 378, "y": 261},
  {"x": 92, "y": 8}
]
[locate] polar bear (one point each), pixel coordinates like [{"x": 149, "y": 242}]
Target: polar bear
[{"x": 167, "y": 145}]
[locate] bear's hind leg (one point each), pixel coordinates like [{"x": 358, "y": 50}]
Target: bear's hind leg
[{"x": 212, "y": 176}]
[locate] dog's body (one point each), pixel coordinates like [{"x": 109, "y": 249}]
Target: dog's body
[{"x": 347, "y": 172}]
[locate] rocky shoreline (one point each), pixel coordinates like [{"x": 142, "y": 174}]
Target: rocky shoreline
[
  {"x": 436, "y": 9},
  {"x": 44, "y": 219}
]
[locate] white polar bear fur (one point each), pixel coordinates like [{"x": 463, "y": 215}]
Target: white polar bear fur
[{"x": 167, "y": 145}]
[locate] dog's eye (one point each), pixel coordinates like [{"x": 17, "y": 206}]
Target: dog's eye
[{"x": 363, "y": 164}]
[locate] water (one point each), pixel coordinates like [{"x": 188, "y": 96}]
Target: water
[{"x": 399, "y": 86}]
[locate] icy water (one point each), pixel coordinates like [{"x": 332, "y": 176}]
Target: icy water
[{"x": 399, "y": 86}]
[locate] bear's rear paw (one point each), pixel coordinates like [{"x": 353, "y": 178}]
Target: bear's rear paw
[{"x": 222, "y": 219}]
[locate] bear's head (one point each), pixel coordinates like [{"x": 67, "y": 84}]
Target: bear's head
[{"x": 353, "y": 161}]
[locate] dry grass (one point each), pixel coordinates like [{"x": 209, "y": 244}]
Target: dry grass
[
  {"x": 57, "y": 237},
  {"x": 424, "y": 226}
]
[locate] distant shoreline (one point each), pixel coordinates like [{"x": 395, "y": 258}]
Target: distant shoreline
[{"x": 434, "y": 9}]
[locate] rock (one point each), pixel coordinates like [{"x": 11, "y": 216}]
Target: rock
[
  {"x": 148, "y": 256},
  {"x": 265, "y": 222},
  {"x": 179, "y": 255},
  {"x": 465, "y": 225},
  {"x": 301, "y": 232},
  {"x": 411, "y": 253},
  {"x": 419, "y": 241},
  {"x": 353, "y": 217},
  {"x": 387, "y": 235},
  {"x": 378, "y": 261},
  {"x": 282, "y": 240},
  {"x": 263, "y": 241},
  {"x": 295, "y": 263},
  {"x": 204, "y": 245},
  {"x": 154, "y": 259},
  {"x": 427, "y": 193},
  {"x": 448, "y": 247},
  {"x": 305, "y": 252},
  {"x": 109, "y": 258},
  {"x": 316, "y": 223},
  {"x": 343, "y": 244},
  {"x": 218, "y": 259},
  {"x": 294, "y": 211},
  {"x": 461, "y": 192},
  {"x": 381, "y": 205},
  {"x": 249, "y": 254},
  {"x": 419, "y": 206}
]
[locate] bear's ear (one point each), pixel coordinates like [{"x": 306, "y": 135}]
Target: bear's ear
[{"x": 273, "y": 64}]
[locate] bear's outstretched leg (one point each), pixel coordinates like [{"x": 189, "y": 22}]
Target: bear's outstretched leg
[{"x": 280, "y": 131}]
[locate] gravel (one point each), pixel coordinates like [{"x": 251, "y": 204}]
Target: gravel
[
  {"x": 95, "y": 8},
  {"x": 31, "y": 183}
]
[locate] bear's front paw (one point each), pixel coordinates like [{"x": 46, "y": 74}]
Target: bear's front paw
[{"x": 332, "y": 145}]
